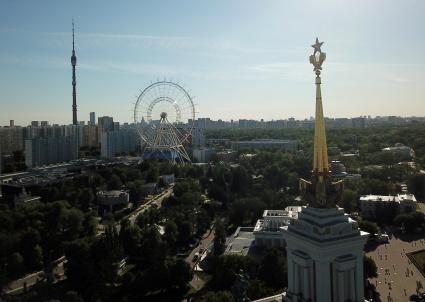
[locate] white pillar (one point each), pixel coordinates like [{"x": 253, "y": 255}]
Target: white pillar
[
  {"x": 296, "y": 279},
  {"x": 359, "y": 277},
  {"x": 352, "y": 287},
  {"x": 290, "y": 270},
  {"x": 341, "y": 296},
  {"x": 334, "y": 288},
  {"x": 306, "y": 283},
  {"x": 323, "y": 276}
]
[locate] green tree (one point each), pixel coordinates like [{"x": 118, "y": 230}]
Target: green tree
[
  {"x": 416, "y": 185},
  {"x": 349, "y": 200},
  {"x": 130, "y": 236},
  {"x": 72, "y": 296},
  {"x": 225, "y": 268},
  {"x": 368, "y": 226},
  {"x": 96, "y": 181},
  {"x": 86, "y": 198},
  {"x": 151, "y": 248},
  {"x": 185, "y": 231},
  {"x": 258, "y": 289},
  {"x": 369, "y": 267},
  {"x": 136, "y": 190},
  {"x": 219, "y": 238},
  {"x": 90, "y": 225},
  {"x": 180, "y": 274},
  {"x": 219, "y": 296},
  {"x": 79, "y": 268},
  {"x": 15, "y": 265},
  {"x": 114, "y": 183},
  {"x": 171, "y": 233},
  {"x": 71, "y": 222},
  {"x": 273, "y": 269},
  {"x": 106, "y": 252},
  {"x": 152, "y": 175},
  {"x": 34, "y": 260}
]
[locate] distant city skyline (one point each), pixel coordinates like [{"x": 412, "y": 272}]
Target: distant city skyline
[{"x": 239, "y": 59}]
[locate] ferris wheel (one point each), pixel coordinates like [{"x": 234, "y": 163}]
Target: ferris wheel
[{"x": 165, "y": 115}]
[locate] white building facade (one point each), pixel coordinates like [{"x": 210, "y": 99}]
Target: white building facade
[
  {"x": 267, "y": 230},
  {"x": 118, "y": 142},
  {"x": 405, "y": 204}
]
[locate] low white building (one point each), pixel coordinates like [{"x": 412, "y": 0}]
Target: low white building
[
  {"x": 401, "y": 150},
  {"x": 112, "y": 198},
  {"x": 405, "y": 203},
  {"x": 267, "y": 230}
]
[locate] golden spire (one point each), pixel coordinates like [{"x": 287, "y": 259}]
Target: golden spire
[
  {"x": 320, "y": 162},
  {"x": 320, "y": 192}
]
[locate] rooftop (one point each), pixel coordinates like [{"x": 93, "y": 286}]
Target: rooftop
[
  {"x": 240, "y": 242},
  {"x": 389, "y": 198},
  {"x": 113, "y": 193}
]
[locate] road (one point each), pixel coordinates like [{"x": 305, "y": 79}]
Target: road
[
  {"x": 31, "y": 279},
  {"x": 59, "y": 271},
  {"x": 157, "y": 200},
  {"x": 205, "y": 242}
]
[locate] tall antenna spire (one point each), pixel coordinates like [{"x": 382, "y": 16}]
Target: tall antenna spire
[
  {"x": 74, "y": 81},
  {"x": 73, "y": 50}
]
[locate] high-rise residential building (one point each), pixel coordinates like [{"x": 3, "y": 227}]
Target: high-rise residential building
[
  {"x": 90, "y": 136},
  {"x": 203, "y": 155},
  {"x": 45, "y": 151},
  {"x": 198, "y": 137},
  {"x": 35, "y": 124},
  {"x": 105, "y": 124},
  {"x": 92, "y": 118},
  {"x": 118, "y": 142},
  {"x": 44, "y": 123},
  {"x": 11, "y": 139},
  {"x": 12, "y": 123}
]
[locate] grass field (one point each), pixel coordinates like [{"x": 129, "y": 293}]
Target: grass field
[{"x": 418, "y": 258}]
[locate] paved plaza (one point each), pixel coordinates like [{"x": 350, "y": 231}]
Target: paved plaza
[{"x": 398, "y": 277}]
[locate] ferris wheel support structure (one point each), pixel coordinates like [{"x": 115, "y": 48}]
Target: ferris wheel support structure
[{"x": 165, "y": 138}]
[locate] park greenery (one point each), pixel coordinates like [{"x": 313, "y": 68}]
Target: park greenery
[{"x": 145, "y": 260}]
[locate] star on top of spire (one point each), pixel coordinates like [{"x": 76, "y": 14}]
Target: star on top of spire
[{"x": 317, "y": 46}]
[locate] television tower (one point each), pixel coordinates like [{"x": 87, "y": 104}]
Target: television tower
[{"x": 74, "y": 82}]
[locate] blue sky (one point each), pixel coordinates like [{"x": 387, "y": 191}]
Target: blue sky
[{"x": 238, "y": 58}]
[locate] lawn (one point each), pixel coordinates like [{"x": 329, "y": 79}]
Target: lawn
[{"x": 418, "y": 258}]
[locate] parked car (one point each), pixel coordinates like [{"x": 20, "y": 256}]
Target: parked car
[{"x": 195, "y": 257}]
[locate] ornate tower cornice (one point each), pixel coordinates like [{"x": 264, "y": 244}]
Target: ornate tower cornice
[
  {"x": 74, "y": 81},
  {"x": 320, "y": 192}
]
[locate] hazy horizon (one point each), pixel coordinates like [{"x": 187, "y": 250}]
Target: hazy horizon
[{"x": 238, "y": 59}]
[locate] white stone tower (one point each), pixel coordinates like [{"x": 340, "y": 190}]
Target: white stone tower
[{"x": 324, "y": 246}]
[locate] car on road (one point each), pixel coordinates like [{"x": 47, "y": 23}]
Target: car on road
[{"x": 195, "y": 257}]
